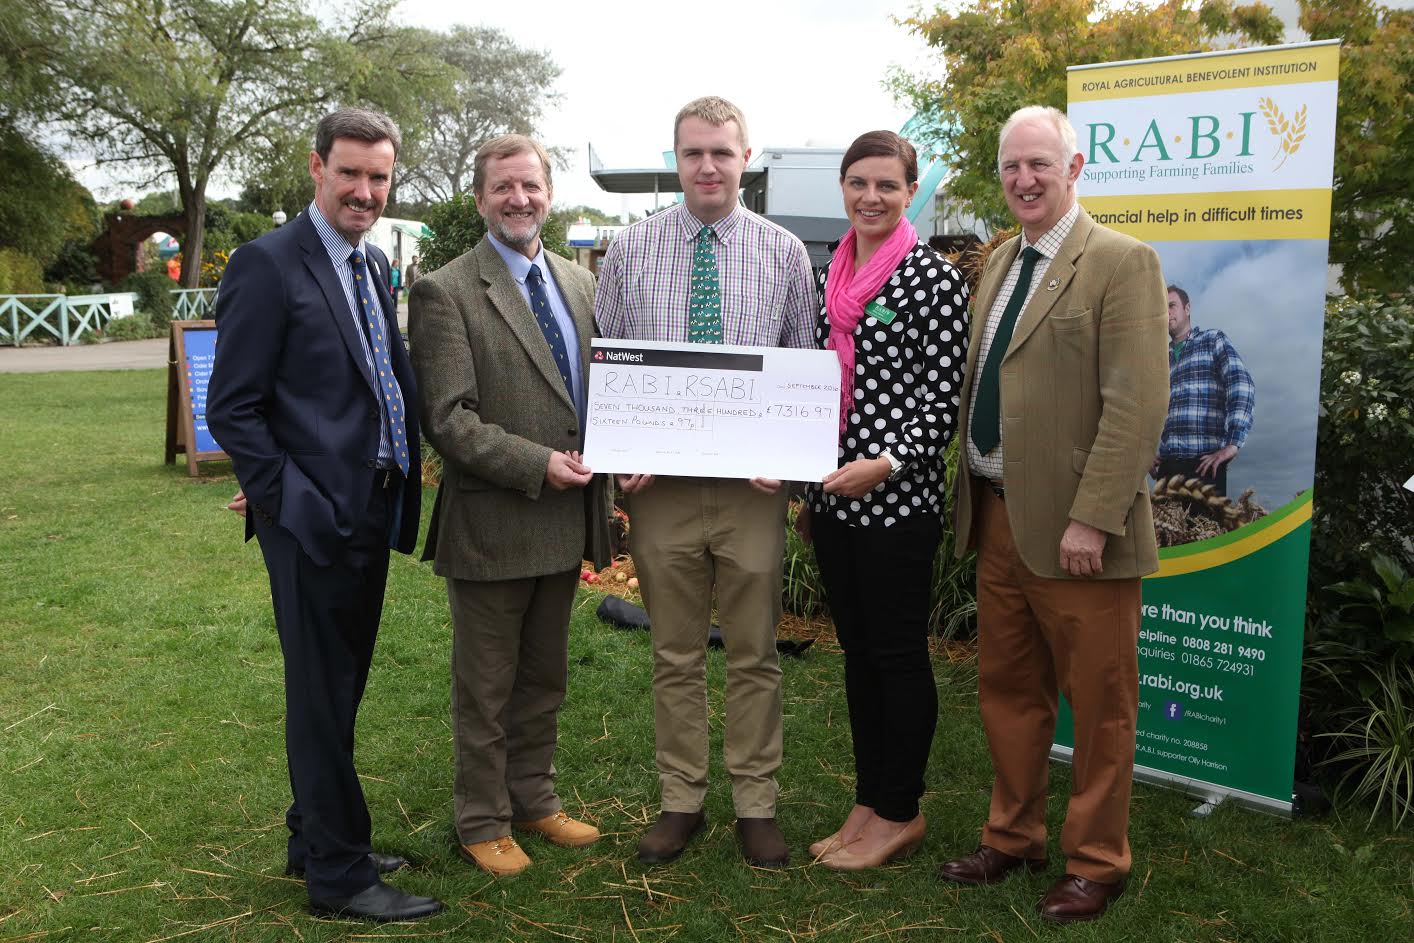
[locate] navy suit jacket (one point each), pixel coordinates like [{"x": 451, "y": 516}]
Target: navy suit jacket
[{"x": 291, "y": 399}]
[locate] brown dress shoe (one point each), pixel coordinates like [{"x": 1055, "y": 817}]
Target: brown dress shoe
[
  {"x": 986, "y": 865},
  {"x": 1073, "y": 898},
  {"x": 559, "y": 829},
  {"x": 762, "y": 844},
  {"x": 669, "y": 836}
]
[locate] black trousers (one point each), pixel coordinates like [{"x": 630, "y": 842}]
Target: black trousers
[
  {"x": 328, "y": 619},
  {"x": 878, "y": 582},
  {"x": 1188, "y": 468}
]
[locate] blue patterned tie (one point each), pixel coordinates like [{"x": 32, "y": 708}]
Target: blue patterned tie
[
  {"x": 392, "y": 396},
  {"x": 540, "y": 305}
]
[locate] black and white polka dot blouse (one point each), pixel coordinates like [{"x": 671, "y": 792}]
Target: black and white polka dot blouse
[{"x": 907, "y": 379}]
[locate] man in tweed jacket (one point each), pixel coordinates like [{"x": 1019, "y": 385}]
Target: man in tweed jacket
[{"x": 501, "y": 344}]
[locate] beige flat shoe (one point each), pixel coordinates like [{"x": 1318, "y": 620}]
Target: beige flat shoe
[{"x": 903, "y": 845}]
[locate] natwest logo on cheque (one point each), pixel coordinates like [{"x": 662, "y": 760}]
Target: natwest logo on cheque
[{"x": 619, "y": 356}]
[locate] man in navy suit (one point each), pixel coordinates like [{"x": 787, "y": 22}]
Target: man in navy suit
[{"x": 313, "y": 397}]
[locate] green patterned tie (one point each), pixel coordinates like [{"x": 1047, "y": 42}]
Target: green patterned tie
[
  {"x": 704, "y": 302},
  {"x": 986, "y": 429}
]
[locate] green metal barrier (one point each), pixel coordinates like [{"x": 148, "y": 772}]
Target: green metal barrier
[
  {"x": 65, "y": 318},
  {"x": 193, "y": 304}
]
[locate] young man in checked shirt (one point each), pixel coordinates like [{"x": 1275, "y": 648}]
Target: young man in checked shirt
[
  {"x": 1210, "y": 400},
  {"x": 708, "y": 270}
]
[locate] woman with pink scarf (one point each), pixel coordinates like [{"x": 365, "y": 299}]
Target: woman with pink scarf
[{"x": 895, "y": 314}]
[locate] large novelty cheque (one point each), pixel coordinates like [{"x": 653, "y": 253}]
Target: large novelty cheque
[{"x": 712, "y": 410}]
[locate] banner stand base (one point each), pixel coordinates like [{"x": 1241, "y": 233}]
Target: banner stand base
[
  {"x": 1207, "y": 807},
  {"x": 1209, "y": 794}
]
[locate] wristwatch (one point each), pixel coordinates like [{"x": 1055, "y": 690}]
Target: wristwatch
[{"x": 895, "y": 466}]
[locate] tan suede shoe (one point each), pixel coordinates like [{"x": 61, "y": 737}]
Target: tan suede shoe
[
  {"x": 499, "y": 856},
  {"x": 559, "y": 829}
]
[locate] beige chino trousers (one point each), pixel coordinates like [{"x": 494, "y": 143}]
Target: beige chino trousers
[{"x": 688, "y": 536}]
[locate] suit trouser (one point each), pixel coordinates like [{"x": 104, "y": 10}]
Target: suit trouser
[
  {"x": 510, "y": 651},
  {"x": 328, "y": 618},
  {"x": 878, "y": 581},
  {"x": 1037, "y": 635},
  {"x": 689, "y": 534}
]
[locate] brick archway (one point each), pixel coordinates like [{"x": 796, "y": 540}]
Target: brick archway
[{"x": 116, "y": 248}]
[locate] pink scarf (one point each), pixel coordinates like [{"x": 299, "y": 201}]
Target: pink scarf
[{"x": 847, "y": 292}]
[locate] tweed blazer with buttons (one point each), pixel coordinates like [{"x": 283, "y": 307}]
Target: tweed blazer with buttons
[
  {"x": 1084, "y": 395},
  {"x": 494, "y": 407}
]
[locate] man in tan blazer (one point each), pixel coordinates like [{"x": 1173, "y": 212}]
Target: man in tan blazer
[
  {"x": 1067, "y": 389},
  {"x": 501, "y": 339}
]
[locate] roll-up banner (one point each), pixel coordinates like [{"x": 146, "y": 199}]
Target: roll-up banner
[{"x": 1223, "y": 162}]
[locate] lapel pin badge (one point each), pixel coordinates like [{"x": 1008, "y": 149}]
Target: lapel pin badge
[{"x": 1053, "y": 284}]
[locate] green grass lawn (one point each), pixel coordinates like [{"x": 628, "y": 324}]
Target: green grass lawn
[{"x": 143, "y": 782}]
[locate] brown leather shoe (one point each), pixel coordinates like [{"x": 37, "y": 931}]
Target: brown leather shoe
[
  {"x": 499, "y": 856},
  {"x": 669, "y": 836},
  {"x": 1073, "y": 898},
  {"x": 762, "y": 844},
  {"x": 986, "y": 865},
  {"x": 559, "y": 829}
]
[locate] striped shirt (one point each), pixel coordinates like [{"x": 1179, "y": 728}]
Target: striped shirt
[
  {"x": 990, "y": 465},
  {"x": 339, "y": 252},
  {"x": 768, "y": 293}
]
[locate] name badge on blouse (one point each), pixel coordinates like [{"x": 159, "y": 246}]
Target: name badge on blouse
[{"x": 879, "y": 313}]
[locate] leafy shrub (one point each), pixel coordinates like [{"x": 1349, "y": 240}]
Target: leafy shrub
[
  {"x": 1374, "y": 743},
  {"x": 1357, "y": 696},
  {"x": 74, "y": 265},
  {"x": 136, "y": 326},
  {"x": 802, "y": 589},
  {"x": 1364, "y": 440},
  {"x": 457, "y": 227},
  {"x": 154, "y": 297},
  {"x": 954, "y": 594},
  {"x": 20, "y": 274}
]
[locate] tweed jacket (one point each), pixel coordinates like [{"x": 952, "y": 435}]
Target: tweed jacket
[
  {"x": 494, "y": 407},
  {"x": 1084, "y": 394}
]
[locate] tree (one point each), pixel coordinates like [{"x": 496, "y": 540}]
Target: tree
[
  {"x": 182, "y": 89},
  {"x": 499, "y": 88},
  {"x": 457, "y": 227},
  {"x": 997, "y": 55},
  {"x": 595, "y": 216},
  {"x": 1372, "y": 206},
  {"x": 279, "y": 174},
  {"x": 42, "y": 207}
]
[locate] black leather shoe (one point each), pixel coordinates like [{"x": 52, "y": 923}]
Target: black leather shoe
[
  {"x": 669, "y": 836},
  {"x": 986, "y": 865},
  {"x": 379, "y": 902},
  {"x": 386, "y": 864},
  {"x": 762, "y": 844}
]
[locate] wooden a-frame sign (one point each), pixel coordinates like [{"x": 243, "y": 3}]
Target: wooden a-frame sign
[{"x": 190, "y": 355}]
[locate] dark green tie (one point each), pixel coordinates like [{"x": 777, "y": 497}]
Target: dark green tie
[
  {"x": 987, "y": 414},
  {"x": 704, "y": 306}
]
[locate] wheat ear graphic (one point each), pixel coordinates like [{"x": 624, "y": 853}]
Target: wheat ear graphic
[{"x": 1288, "y": 132}]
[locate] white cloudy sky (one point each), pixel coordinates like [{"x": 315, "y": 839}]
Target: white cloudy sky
[{"x": 802, "y": 71}]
